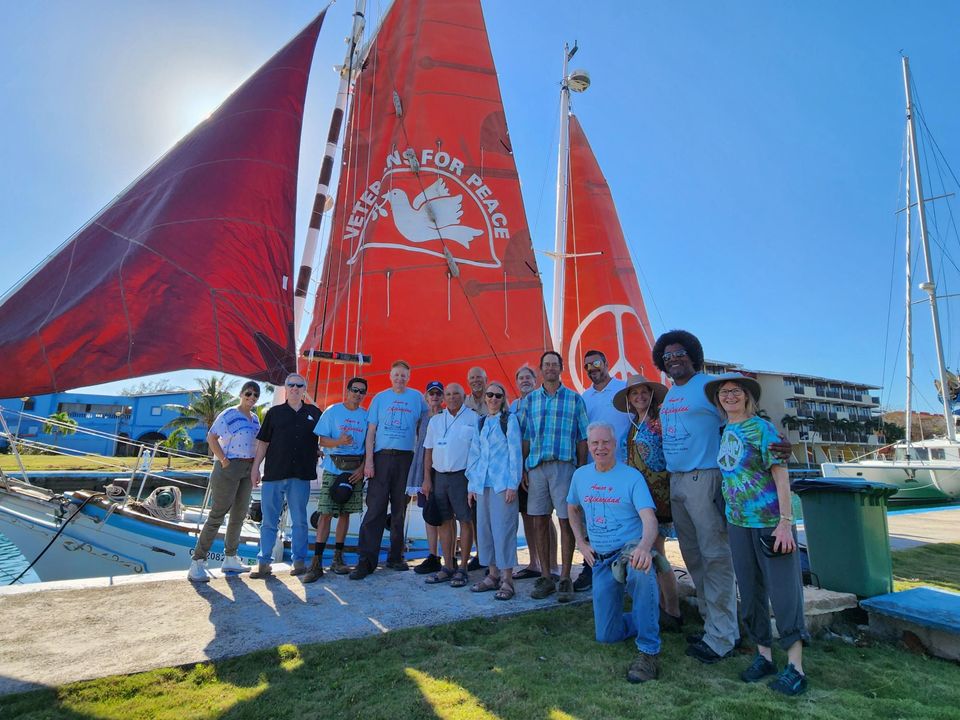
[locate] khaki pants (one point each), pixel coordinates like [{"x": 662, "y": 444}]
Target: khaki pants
[
  {"x": 230, "y": 490},
  {"x": 697, "y": 504}
]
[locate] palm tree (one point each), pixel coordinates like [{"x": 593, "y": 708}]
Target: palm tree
[
  {"x": 59, "y": 423},
  {"x": 179, "y": 439},
  {"x": 203, "y": 407},
  {"x": 790, "y": 422}
]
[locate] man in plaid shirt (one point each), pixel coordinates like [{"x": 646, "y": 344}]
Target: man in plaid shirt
[{"x": 554, "y": 422}]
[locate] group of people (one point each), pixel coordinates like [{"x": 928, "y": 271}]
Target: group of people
[{"x": 623, "y": 466}]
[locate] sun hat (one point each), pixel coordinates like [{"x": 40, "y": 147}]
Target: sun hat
[
  {"x": 659, "y": 391},
  {"x": 710, "y": 389},
  {"x": 342, "y": 490}
]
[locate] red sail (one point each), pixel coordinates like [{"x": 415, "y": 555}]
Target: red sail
[
  {"x": 603, "y": 308},
  {"x": 190, "y": 267},
  {"x": 430, "y": 258}
]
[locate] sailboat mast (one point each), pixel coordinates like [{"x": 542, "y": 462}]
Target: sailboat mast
[
  {"x": 929, "y": 286},
  {"x": 563, "y": 167},
  {"x": 326, "y": 169},
  {"x": 908, "y": 412}
]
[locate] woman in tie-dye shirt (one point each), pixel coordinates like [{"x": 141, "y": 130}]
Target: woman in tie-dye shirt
[{"x": 756, "y": 488}]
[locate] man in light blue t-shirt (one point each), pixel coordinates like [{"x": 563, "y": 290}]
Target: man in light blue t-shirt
[
  {"x": 610, "y": 502},
  {"x": 391, "y": 437}
]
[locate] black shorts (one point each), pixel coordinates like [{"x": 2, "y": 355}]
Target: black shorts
[{"x": 451, "y": 490}]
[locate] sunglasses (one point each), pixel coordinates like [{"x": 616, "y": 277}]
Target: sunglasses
[
  {"x": 250, "y": 393},
  {"x": 296, "y": 385},
  {"x": 596, "y": 365},
  {"x": 675, "y": 354},
  {"x": 436, "y": 393},
  {"x": 358, "y": 390},
  {"x": 494, "y": 395}
]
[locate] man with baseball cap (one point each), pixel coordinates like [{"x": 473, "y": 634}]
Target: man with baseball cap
[{"x": 434, "y": 396}]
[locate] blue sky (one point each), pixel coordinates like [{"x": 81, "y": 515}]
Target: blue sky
[{"x": 753, "y": 148}]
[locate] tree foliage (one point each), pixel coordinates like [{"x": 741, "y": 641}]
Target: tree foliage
[
  {"x": 202, "y": 408},
  {"x": 59, "y": 424},
  {"x": 149, "y": 387}
]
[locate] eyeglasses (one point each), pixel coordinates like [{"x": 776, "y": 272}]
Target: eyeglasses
[
  {"x": 494, "y": 395},
  {"x": 296, "y": 385},
  {"x": 436, "y": 393},
  {"x": 596, "y": 365},
  {"x": 731, "y": 392},
  {"x": 675, "y": 354},
  {"x": 250, "y": 393},
  {"x": 358, "y": 390}
]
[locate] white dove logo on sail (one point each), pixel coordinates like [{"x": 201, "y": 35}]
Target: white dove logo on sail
[{"x": 434, "y": 214}]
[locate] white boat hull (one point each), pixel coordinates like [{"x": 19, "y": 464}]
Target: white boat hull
[{"x": 928, "y": 481}]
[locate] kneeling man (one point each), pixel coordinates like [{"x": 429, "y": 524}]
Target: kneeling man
[{"x": 609, "y": 502}]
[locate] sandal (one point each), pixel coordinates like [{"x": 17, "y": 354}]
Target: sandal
[
  {"x": 444, "y": 575},
  {"x": 506, "y": 592},
  {"x": 486, "y": 585},
  {"x": 459, "y": 579},
  {"x": 526, "y": 574}
]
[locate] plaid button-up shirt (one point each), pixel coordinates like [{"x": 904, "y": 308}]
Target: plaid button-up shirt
[{"x": 553, "y": 425}]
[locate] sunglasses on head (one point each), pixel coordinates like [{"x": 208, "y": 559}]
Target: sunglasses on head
[
  {"x": 494, "y": 395},
  {"x": 358, "y": 390},
  {"x": 674, "y": 354},
  {"x": 296, "y": 385},
  {"x": 251, "y": 393}
]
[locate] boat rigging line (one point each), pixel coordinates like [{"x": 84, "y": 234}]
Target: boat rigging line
[{"x": 62, "y": 527}]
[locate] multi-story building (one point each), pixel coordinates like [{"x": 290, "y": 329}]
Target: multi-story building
[
  {"x": 825, "y": 419},
  {"x": 142, "y": 418}
]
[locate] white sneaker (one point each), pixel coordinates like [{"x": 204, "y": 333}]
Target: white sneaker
[
  {"x": 198, "y": 571},
  {"x": 231, "y": 563}
]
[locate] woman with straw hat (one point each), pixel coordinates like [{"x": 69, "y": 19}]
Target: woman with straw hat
[{"x": 641, "y": 399}]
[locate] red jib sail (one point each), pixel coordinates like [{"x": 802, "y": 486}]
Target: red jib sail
[
  {"x": 190, "y": 267},
  {"x": 430, "y": 258},
  {"x": 603, "y": 306}
]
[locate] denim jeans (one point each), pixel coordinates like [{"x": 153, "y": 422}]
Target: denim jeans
[
  {"x": 272, "y": 494},
  {"x": 611, "y": 623}
]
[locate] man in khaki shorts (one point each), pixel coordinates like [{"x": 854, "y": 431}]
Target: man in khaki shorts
[{"x": 554, "y": 422}]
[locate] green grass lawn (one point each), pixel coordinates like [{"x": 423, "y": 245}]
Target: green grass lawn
[
  {"x": 94, "y": 463},
  {"x": 936, "y": 565},
  {"x": 538, "y": 665}
]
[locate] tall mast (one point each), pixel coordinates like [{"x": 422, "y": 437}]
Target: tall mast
[
  {"x": 326, "y": 169},
  {"x": 908, "y": 417},
  {"x": 929, "y": 286},
  {"x": 563, "y": 167}
]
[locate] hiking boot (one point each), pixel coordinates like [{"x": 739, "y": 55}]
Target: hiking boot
[
  {"x": 198, "y": 572},
  {"x": 263, "y": 570},
  {"x": 644, "y": 667},
  {"x": 299, "y": 567},
  {"x": 338, "y": 566},
  {"x": 584, "y": 580},
  {"x": 315, "y": 572},
  {"x": 398, "y": 565},
  {"x": 705, "y": 654},
  {"x": 232, "y": 564},
  {"x": 789, "y": 682},
  {"x": 670, "y": 623},
  {"x": 360, "y": 571},
  {"x": 758, "y": 670},
  {"x": 430, "y": 565},
  {"x": 542, "y": 588},
  {"x": 565, "y": 590}
]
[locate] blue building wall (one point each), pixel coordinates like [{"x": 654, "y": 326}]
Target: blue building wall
[{"x": 142, "y": 418}]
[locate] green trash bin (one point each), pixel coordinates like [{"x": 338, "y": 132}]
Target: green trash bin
[{"x": 847, "y": 537}]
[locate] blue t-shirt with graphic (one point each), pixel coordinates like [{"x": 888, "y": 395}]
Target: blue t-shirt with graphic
[
  {"x": 335, "y": 421},
  {"x": 745, "y": 461},
  {"x": 396, "y": 416},
  {"x": 611, "y": 503},
  {"x": 691, "y": 427}
]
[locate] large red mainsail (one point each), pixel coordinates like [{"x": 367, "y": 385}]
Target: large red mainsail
[
  {"x": 190, "y": 267},
  {"x": 430, "y": 258},
  {"x": 603, "y": 307}
]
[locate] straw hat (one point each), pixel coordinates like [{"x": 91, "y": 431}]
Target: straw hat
[
  {"x": 658, "y": 390},
  {"x": 710, "y": 389}
]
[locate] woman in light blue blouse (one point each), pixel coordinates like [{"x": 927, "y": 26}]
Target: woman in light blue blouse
[{"x": 494, "y": 468}]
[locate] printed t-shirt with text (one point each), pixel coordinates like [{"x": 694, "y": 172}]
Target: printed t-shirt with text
[
  {"x": 691, "y": 427},
  {"x": 745, "y": 461},
  {"x": 335, "y": 421},
  {"x": 396, "y": 416},
  {"x": 611, "y": 503}
]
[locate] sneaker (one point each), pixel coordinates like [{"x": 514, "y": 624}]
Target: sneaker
[
  {"x": 670, "y": 623},
  {"x": 644, "y": 667},
  {"x": 565, "y": 590},
  {"x": 584, "y": 580},
  {"x": 789, "y": 681},
  {"x": 198, "y": 571},
  {"x": 360, "y": 571},
  {"x": 542, "y": 588},
  {"x": 758, "y": 670},
  {"x": 430, "y": 565},
  {"x": 398, "y": 565},
  {"x": 705, "y": 654},
  {"x": 299, "y": 567},
  {"x": 232, "y": 564}
]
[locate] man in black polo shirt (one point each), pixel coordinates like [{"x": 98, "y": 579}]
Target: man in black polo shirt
[{"x": 287, "y": 441}]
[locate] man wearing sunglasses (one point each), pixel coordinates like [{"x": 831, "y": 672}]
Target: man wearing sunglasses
[
  {"x": 342, "y": 433},
  {"x": 287, "y": 442}
]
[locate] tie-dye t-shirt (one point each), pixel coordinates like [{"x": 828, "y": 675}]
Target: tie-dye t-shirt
[{"x": 745, "y": 461}]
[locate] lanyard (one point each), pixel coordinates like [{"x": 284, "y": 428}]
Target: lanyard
[{"x": 446, "y": 428}]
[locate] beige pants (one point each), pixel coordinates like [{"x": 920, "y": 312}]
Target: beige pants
[{"x": 230, "y": 490}]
